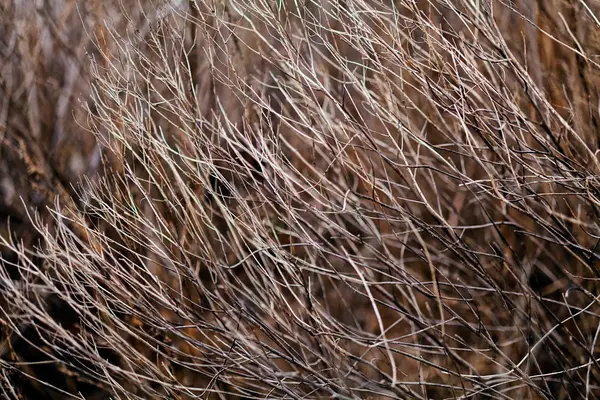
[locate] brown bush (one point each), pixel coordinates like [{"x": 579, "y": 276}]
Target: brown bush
[{"x": 329, "y": 199}]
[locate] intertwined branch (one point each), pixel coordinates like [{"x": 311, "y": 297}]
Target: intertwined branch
[{"x": 326, "y": 199}]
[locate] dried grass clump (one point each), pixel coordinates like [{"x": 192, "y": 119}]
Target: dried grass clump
[{"x": 327, "y": 199}]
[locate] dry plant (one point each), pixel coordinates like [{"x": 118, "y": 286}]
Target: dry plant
[{"x": 301, "y": 199}]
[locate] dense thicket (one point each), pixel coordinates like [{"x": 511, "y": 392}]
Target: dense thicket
[{"x": 299, "y": 199}]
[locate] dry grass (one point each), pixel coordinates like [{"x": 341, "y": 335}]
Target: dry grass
[{"x": 284, "y": 199}]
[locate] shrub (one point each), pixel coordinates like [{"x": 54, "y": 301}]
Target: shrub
[{"x": 328, "y": 199}]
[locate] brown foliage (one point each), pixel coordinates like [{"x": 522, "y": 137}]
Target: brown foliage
[{"x": 329, "y": 199}]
